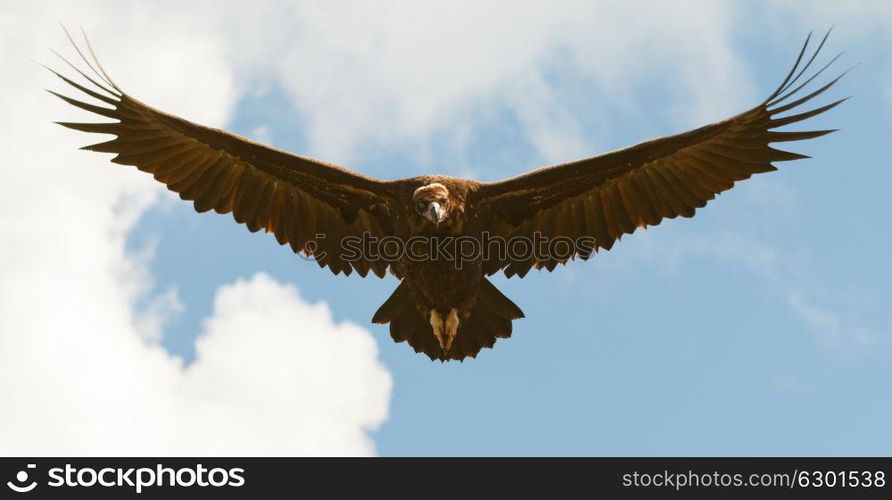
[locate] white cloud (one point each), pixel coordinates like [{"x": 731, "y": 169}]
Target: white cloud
[
  {"x": 851, "y": 17},
  {"x": 155, "y": 311},
  {"x": 319, "y": 397},
  {"x": 273, "y": 375},
  {"x": 372, "y": 75},
  {"x": 261, "y": 134},
  {"x": 80, "y": 371},
  {"x": 841, "y": 319}
]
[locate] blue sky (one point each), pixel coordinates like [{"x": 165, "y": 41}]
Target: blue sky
[
  {"x": 759, "y": 327},
  {"x": 669, "y": 344}
]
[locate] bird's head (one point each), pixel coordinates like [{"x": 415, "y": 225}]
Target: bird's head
[{"x": 431, "y": 201}]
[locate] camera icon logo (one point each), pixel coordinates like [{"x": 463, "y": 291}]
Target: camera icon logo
[{"x": 21, "y": 477}]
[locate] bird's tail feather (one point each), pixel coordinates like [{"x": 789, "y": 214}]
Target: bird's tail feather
[{"x": 490, "y": 319}]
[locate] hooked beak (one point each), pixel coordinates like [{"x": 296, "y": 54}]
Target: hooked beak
[{"x": 435, "y": 213}]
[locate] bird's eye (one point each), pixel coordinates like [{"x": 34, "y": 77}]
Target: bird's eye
[
  {"x": 420, "y": 206},
  {"x": 442, "y": 201}
]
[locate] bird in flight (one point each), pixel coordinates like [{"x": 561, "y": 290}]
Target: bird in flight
[{"x": 443, "y": 236}]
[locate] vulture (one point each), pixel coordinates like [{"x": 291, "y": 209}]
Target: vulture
[{"x": 442, "y": 236}]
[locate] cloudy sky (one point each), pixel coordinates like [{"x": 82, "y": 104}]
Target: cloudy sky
[{"x": 131, "y": 325}]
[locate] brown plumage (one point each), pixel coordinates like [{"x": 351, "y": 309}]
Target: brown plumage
[{"x": 444, "y": 306}]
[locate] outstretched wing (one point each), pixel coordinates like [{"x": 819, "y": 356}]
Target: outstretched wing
[
  {"x": 306, "y": 203},
  {"x": 594, "y": 201}
]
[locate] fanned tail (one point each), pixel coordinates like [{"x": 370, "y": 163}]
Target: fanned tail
[{"x": 490, "y": 319}]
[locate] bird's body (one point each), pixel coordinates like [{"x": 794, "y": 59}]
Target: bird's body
[
  {"x": 444, "y": 306},
  {"x": 442, "y": 236}
]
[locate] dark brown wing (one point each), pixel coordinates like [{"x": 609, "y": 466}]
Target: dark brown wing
[
  {"x": 593, "y": 202},
  {"x": 295, "y": 198}
]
